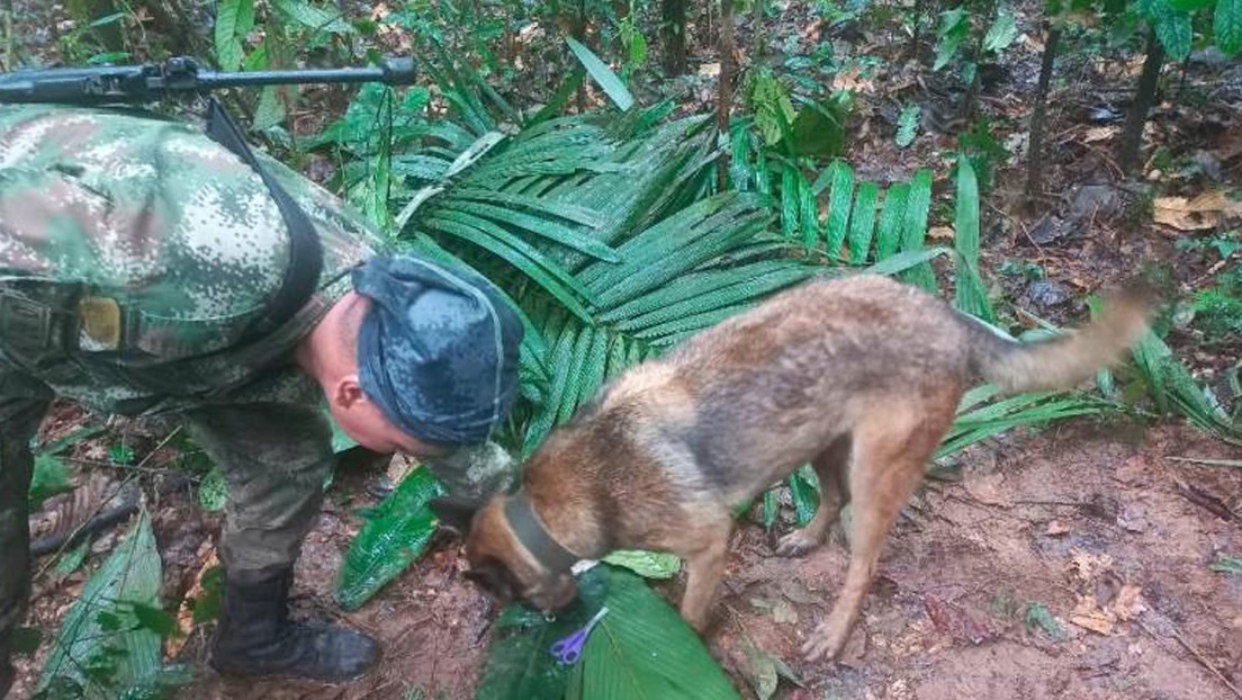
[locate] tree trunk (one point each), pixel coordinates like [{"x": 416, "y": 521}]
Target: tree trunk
[
  {"x": 580, "y": 35},
  {"x": 756, "y": 32},
  {"x": 727, "y": 71},
  {"x": 917, "y": 35},
  {"x": 1035, "y": 145},
  {"x": 1130, "y": 154},
  {"x": 673, "y": 14}
]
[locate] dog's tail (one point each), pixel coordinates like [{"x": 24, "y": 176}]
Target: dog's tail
[{"x": 1063, "y": 361}]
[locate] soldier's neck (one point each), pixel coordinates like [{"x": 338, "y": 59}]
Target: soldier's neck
[{"x": 329, "y": 351}]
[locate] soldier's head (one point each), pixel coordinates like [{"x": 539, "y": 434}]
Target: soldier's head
[{"x": 420, "y": 358}]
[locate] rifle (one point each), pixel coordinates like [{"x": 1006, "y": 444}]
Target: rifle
[{"x": 181, "y": 75}]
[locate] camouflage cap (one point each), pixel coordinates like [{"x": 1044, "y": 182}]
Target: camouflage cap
[{"x": 438, "y": 350}]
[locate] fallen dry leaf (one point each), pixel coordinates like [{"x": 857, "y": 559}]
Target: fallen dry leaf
[
  {"x": 944, "y": 233},
  {"x": 185, "y": 615},
  {"x": 1202, "y": 212},
  {"x": 709, "y": 70},
  {"x": 1100, "y": 133},
  {"x": 850, "y": 80},
  {"x": 1129, "y": 603},
  {"x": 1090, "y": 566},
  {"x": 1088, "y": 615}
]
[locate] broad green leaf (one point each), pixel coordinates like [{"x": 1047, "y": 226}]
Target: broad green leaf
[
  {"x": 908, "y": 124},
  {"x": 862, "y": 223},
  {"x": 612, "y": 85},
  {"x": 1173, "y": 28},
  {"x": 394, "y": 536},
  {"x": 50, "y": 477},
  {"x": 102, "y": 651},
  {"x": 1227, "y": 26},
  {"x": 656, "y": 565},
  {"x": 234, "y": 20},
  {"x": 519, "y": 664},
  {"x": 953, "y": 31},
  {"x": 312, "y": 16},
  {"x": 1002, "y": 32},
  {"x": 643, "y": 649}
]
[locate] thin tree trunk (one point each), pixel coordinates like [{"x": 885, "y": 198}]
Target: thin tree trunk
[
  {"x": 673, "y": 16},
  {"x": 1035, "y": 146},
  {"x": 1130, "y": 154},
  {"x": 724, "y": 105},
  {"x": 580, "y": 35},
  {"x": 756, "y": 32},
  {"x": 917, "y": 35}
]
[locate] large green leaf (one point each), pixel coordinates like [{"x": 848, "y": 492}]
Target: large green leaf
[
  {"x": 394, "y": 536},
  {"x": 50, "y": 477},
  {"x": 643, "y": 650},
  {"x": 312, "y": 16},
  {"x": 1002, "y": 32},
  {"x": 234, "y": 20},
  {"x": 1173, "y": 28},
  {"x": 612, "y": 85},
  {"x": 519, "y": 663},
  {"x": 103, "y": 649},
  {"x": 1227, "y": 26}
]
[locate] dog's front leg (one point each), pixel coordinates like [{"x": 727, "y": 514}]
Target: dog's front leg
[{"x": 704, "y": 570}]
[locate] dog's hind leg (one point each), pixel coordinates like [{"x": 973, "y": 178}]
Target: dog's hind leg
[
  {"x": 831, "y": 466},
  {"x": 890, "y": 454}
]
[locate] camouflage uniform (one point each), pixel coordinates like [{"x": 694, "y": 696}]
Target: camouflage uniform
[{"x": 134, "y": 251}]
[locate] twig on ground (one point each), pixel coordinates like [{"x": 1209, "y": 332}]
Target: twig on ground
[
  {"x": 1237, "y": 463},
  {"x": 1195, "y": 652}
]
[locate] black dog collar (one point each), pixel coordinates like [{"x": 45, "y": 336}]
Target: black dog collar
[{"x": 531, "y": 533}]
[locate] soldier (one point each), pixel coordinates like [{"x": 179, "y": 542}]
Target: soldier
[{"x": 137, "y": 259}]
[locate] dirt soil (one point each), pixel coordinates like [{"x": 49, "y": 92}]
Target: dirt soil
[
  {"x": 1086, "y": 520},
  {"x": 1092, "y": 523}
]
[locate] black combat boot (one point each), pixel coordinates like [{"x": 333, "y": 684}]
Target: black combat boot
[{"x": 256, "y": 637}]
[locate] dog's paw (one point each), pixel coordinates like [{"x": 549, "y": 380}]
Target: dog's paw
[
  {"x": 797, "y": 544},
  {"x": 825, "y": 643}
]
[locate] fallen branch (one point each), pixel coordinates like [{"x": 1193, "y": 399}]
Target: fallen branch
[{"x": 1195, "y": 652}]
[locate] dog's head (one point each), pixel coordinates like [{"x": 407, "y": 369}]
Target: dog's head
[{"x": 503, "y": 568}]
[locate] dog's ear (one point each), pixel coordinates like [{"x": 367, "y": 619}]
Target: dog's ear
[{"x": 454, "y": 513}]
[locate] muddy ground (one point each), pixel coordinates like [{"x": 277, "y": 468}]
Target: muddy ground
[
  {"x": 1081, "y": 512},
  {"x": 1092, "y": 522}
]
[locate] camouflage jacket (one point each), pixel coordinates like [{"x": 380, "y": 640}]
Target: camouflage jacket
[{"x": 181, "y": 234}]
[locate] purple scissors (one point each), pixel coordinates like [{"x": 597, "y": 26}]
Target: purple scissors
[{"x": 569, "y": 649}]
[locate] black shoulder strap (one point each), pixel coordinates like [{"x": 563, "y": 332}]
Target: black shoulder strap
[{"x": 305, "y": 252}]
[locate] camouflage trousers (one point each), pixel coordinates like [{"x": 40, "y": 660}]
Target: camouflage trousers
[{"x": 275, "y": 458}]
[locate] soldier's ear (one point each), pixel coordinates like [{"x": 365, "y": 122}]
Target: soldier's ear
[{"x": 454, "y": 512}]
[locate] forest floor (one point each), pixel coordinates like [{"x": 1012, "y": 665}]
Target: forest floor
[{"x": 1069, "y": 562}]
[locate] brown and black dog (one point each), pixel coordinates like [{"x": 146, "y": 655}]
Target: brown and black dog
[{"x": 859, "y": 376}]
